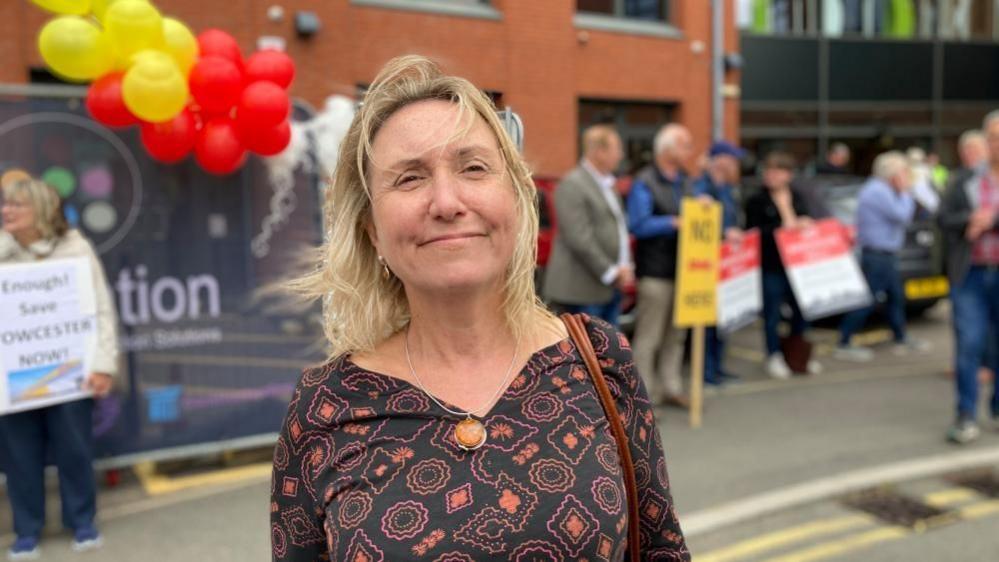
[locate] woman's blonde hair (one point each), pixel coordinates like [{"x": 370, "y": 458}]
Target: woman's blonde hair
[
  {"x": 361, "y": 307},
  {"x": 44, "y": 200}
]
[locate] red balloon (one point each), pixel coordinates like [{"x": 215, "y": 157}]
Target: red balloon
[
  {"x": 218, "y": 149},
  {"x": 105, "y": 104},
  {"x": 218, "y": 43},
  {"x": 215, "y": 84},
  {"x": 263, "y": 105},
  {"x": 171, "y": 141},
  {"x": 267, "y": 142},
  {"x": 270, "y": 65}
]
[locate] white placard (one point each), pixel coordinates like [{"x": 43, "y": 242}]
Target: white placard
[
  {"x": 740, "y": 287},
  {"x": 822, "y": 269},
  {"x": 48, "y": 332}
]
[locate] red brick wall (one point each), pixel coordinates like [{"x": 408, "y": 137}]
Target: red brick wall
[{"x": 533, "y": 55}]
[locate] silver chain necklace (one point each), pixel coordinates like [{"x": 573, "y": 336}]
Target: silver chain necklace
[{"x": 469, "y": 433}]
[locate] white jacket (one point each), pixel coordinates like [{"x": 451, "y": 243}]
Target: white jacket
[{"x": 74, "y": 245}]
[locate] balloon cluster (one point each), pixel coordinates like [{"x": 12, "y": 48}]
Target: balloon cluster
[{"x": 186, "y": 93}]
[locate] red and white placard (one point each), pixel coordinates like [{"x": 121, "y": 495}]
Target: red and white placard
[
  {"x": 740, "y": 294},
  {"x": 822, "y": 269}
]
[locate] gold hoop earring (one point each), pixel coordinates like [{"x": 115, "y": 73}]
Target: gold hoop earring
[{"x": 386, "y": 274}]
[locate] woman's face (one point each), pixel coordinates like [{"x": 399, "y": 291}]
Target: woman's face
[
  {"x": 18, "y": 215},
  {"x": 443, "y": 207},
  {"x": 777, "y": 178}
]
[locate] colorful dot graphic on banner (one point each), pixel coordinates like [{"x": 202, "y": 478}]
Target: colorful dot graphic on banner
[
  {"x": 97, "y": 182},
  {"x": 61, "y": 179},
  {"x": 99, "y": 217},
  {"x": 72, "y": 215}
]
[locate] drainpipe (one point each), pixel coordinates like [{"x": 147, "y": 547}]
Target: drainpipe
[{"x": 717, "y": 68}]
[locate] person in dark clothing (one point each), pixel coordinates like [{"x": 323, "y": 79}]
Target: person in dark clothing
[
  {"x": 778, "y": 206},
  {"x": 837, "y": 161},
  {"x": 969, "y": 219},
  {"x": 449, "y": 422},
  {"x": 719, "y": 182}
]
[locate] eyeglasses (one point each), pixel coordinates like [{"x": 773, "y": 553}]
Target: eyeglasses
[{"x": 13, "y": 204}]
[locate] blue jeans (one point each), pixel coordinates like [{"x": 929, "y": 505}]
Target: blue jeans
[
  {"x": 975, "y": 304},
  {"x": 776, "y": 292},
  {"x": 881, "y": 271},
  {"x": 609, "y": 311},
  {"x": 64, "y": 431},
  {"x": 714, "y": 355}
]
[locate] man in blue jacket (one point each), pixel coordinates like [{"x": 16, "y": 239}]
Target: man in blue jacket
[
  {"x": 654, "y": 218},
  {"x": 885, "y": 208}
]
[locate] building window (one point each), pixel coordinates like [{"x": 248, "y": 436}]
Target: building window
[
  {"x": 649, "y": 10},
  {"x": 636, "y": 122},
  {"x": 954, "y": 20}
]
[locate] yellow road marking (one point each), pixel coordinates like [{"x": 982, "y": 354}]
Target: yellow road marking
[
  {"x": 980, "y": 509},
  {"x": 158, "y": 484},
  {"x": 824, "y": 527},
  {"x": 785, "y": 537},
  {"x": 872, "y": 337},
  {"x": 949, "y": 497},
  {"x": 843, "y": 545}
]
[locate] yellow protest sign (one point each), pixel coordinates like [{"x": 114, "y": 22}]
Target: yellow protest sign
[{"x": 698, "y": 263}]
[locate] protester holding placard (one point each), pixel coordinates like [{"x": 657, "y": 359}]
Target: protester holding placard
[
  {"x": 719, "y": 183},
  {"x": 34, "y": 230},
  {"x": 777, "y": 206},
  {"x": 654, "y": 218}
]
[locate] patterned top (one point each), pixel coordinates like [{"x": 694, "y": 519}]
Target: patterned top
[
  {"x": 985, "y": 251},
  {"x": 366, "y": 468}
]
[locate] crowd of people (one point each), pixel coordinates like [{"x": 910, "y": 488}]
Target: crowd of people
[{"x": 593, "y": 259}]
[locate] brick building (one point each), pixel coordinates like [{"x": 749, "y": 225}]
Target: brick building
[{"x": 561, "y": 64}]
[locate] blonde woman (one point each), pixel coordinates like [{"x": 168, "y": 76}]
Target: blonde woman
[
  {"x": 34, "y": 229},
  {"x": 455, "y": 420}
]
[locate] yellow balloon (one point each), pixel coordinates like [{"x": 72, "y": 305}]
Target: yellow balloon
[
  {"x": 66, "y": 7},
  {"x": 99, "y": 7},
  {"x": 75, "y": 48},
  {"x": 180, "y": 44},
  {"x": 10, "y": 177},
  {"x": 133, "y": 26},
  {"x": 154, "y": 89}
]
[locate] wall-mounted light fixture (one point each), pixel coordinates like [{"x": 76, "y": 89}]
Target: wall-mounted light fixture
[{"x": 307, "y": 23}]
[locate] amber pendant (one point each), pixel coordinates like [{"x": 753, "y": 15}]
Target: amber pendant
[{"x": 470, "y": 434}]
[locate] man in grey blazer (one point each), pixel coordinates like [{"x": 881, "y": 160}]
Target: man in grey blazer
[{"x": 590, "y": 261}]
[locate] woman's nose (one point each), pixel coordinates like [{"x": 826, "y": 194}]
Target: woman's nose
[{"x": 445, "y": 197}]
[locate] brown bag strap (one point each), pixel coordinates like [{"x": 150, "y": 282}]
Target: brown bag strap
[{"x": 577, "y": 331}]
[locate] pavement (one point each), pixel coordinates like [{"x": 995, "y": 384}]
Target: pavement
[{"x": 763, "y": 479}]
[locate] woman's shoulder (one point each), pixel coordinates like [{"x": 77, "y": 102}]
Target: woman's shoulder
[
  {"x": 8, "y": 246},
  {"x": 75, "y": 240},
  {"x": 609, "y": 342}
]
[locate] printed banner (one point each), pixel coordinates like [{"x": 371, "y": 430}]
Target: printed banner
[
  {"x": 822, "y": 269},
  {"x": 697, "y": 268},
  {"x": 48, "y": 334},
  {"x": 205, "y": 359},
  {"x": 740, "y": 287}
]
